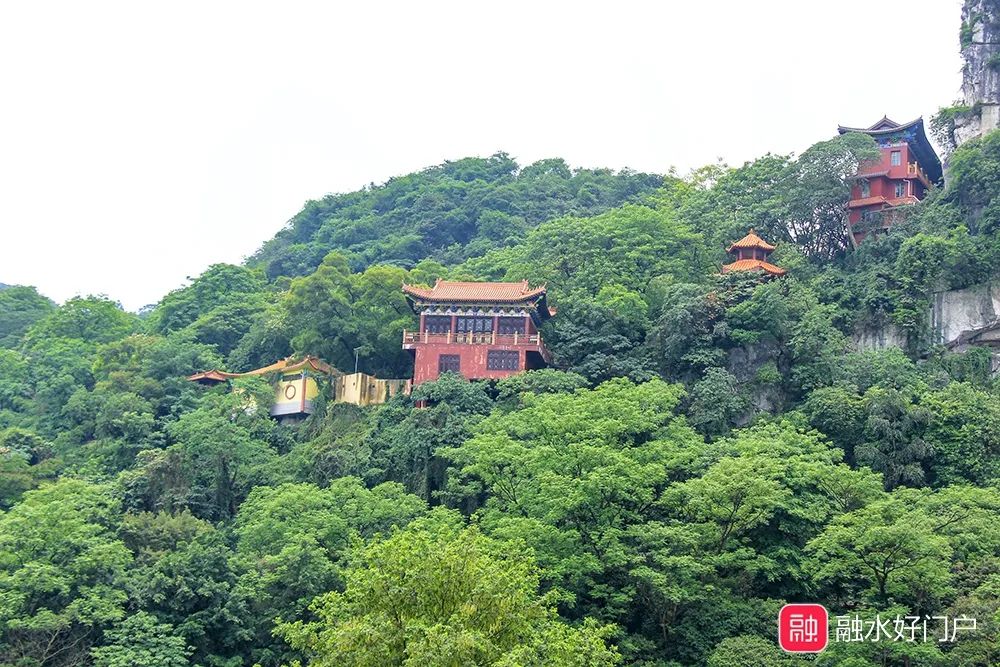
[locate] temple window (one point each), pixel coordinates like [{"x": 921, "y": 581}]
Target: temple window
[
  {"x": 475, "y": 325},
  {"x": 866, "y": 188},
  {"x": 900, "y": 190},
  {"x": 508, "y": 326},
  {"x": 895, "y": 158},
  {"x": 437, "y": 324},
  {"x": 503, "y": 360},
  {"x": 449, "y": 363}
]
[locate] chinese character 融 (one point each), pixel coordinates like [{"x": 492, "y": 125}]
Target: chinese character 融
[{"x": 803, "y": 628}]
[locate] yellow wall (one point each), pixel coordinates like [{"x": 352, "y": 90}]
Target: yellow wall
[
  {"x": 288, "y": 395},
  {"x": 363, "y": 389}
]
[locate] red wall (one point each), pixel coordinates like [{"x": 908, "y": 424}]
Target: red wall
[{"x": 472, "y": 360}]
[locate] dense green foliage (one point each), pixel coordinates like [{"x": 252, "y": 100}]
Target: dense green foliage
[
  {"x": 446, "y": 213},
  {"x": 708, "y": 448}
]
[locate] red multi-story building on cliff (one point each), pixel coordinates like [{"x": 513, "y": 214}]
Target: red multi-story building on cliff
[
  {"x": 479, "y": 330},
  {"x": 907, "y": 168}
]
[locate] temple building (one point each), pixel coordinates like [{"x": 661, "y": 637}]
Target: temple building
[
  {"x": 907, "y": 168},
  {"x": 295, "y": 383},
  {"x": 298, "y": 384},
  {"x": 477, "y": 329},
  {"x": 751, "y": 253}
]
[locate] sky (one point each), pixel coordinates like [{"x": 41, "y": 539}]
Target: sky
[{"x": 141, "y": 142}]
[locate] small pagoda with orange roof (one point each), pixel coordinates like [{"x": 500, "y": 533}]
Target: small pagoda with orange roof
[{"x": 751, "y": 255}]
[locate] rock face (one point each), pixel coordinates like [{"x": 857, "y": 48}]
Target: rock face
[
  {"x": 873, "y": 338},
  {"x": 981, "y": 74},
  {"x": 964, "y": 317},
  {"x": 958, "y": 319}
]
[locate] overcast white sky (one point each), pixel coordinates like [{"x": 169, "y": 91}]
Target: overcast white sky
[{"x": 141, "y": 142}]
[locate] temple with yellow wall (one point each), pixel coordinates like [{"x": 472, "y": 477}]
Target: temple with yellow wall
[
  {"x": 296, "y": 383},
  {"x": 299, "y": 383}
]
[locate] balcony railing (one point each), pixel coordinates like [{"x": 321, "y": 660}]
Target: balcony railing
[
  {"x": 483, "y": 338},
  {"x": 913, "y": 169}
]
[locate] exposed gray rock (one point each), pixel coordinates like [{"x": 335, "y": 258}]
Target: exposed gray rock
[
  {"x": 967, "y": 316},
  {"x": 981, "y": 73},
  {"x": 874, "y": 338}
]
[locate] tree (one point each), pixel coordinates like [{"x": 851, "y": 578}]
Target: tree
[
  {"x": 718, "y": 401},
  {"x": 338, "y": 315},
  {"x": 580, "y": 478},
  {"x": 627, "y": 247},
  {"x": 733, "y": 496},
  {"x": 223, "y": 449},
  {"x": 601, "y": 337},
  {"x": 436, "y": 593},
  {"x": 894, "y": 443},
  {"x": 220, "y": 286},
  {"x": 404, "y": 440},
  {"x": 749, "y": 651},
  {"x": 818, "y": 191},
  {"x": 292, "y": 540},
  {"x": 20, "y": 307},
  {"x": 963, "y": 431},
  {"x": 139, "y": 641},
  {"x": 193, "y": 587},
  {"x": 92, "y": 319},
  {"x": 61, "y": 573},
  {"x": 882, "y": 550}
]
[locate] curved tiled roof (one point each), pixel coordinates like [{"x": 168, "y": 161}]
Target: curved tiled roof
[
  {"x": 286, "y": 365},
  {"x": 751, "y": 240},
  {"x": 753, "y": 265},
  {"x": 884, "y": 126},
  {"x": 448, "y": 290},
  {"x": 927, "y": 158}
]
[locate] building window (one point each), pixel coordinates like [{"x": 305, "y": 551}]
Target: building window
[
  {"x": 475, "y": 325},
  {"x": 900, "y": 190},
  {"x": 437, "y": 324},
  {"x": 449, "y": 363},
  {"x": 503, "y": 360},
  {"x": 866, "y": 188},
  {"x": 895, "y": 158},
  {"x": 508, "y": 326}
]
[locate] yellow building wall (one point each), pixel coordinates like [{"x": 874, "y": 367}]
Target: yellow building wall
[
  {"x": 288, "y": 395},
  {"x": 363, "y": 389}
]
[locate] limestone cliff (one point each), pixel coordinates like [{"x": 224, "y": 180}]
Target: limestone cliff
[{"x": 979, "y": 112}]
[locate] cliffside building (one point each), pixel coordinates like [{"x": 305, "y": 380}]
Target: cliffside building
[
  {"x": 751, "y": 253},
  {"x": 477, "y": 329},
  {"x": 907, "y": 168}
]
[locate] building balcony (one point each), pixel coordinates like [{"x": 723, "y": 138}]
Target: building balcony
[
  {"x": 913, "y": 170},
  {"x": 411, "y": 338}
]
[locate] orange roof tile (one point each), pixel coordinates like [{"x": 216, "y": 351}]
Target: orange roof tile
[
  {"x": 286, "y": 365},
  {"x": 753, "y": 265},
  {"x": 867, "y": 201},
  {"x": 751, "y": 240},
  {"x": 447, "y": 290}
]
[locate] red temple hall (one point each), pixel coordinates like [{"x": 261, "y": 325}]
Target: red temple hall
[
  {"x": 479, "y": 330},
  {"x": 905, "y": 171}
]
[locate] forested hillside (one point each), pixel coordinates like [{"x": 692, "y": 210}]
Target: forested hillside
[
  {"x": 705, "y": 449},
  {"x": 445, "y": 213}
]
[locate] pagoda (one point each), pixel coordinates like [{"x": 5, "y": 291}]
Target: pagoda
[
  {"x": 751, "y": 253},
  {"x": 904, "y": 172},
  {"x": 480, "y": 330}
]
